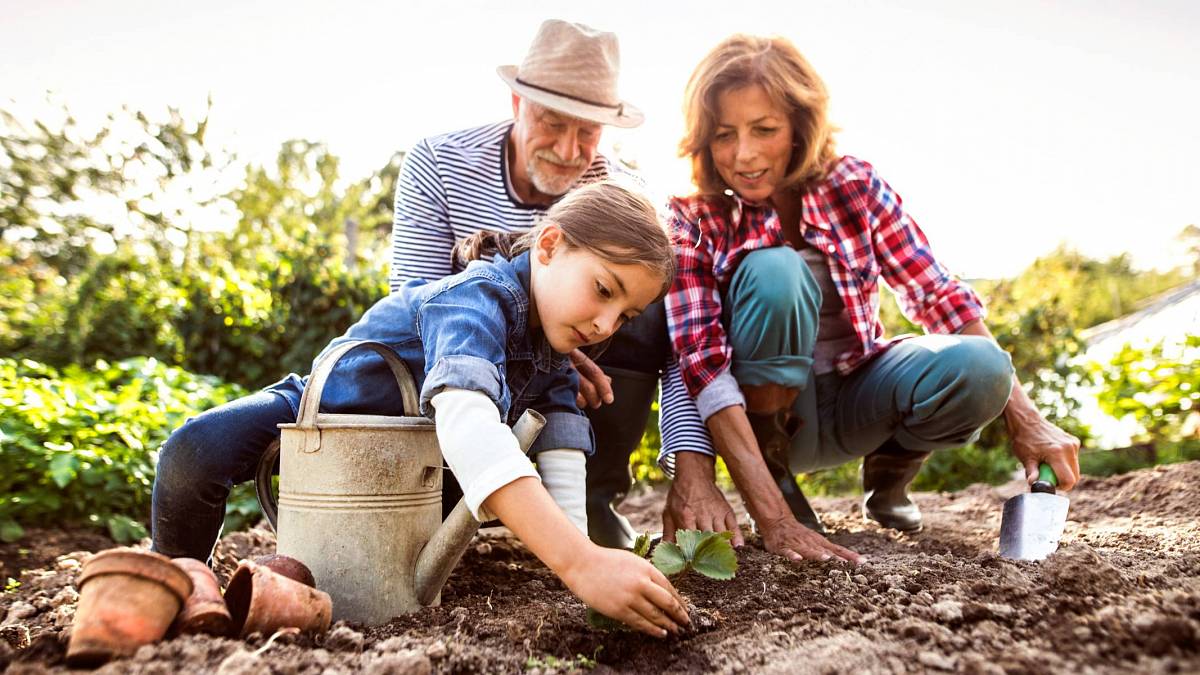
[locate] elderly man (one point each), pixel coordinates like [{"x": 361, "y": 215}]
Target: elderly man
[{"x": 502, "y": 177}]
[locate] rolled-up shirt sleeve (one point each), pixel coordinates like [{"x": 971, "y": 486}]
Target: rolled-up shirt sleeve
[
  {"x": 567, "y": 428},
  {"x": 929, "y": 294}
]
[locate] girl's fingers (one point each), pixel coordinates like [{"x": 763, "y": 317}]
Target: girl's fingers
[
  {"x": 664, "y": 596},
  {"x": 655, "y": 614},
  {"x": 631, "y": 618}
]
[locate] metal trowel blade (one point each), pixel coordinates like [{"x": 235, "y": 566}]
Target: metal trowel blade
[{"x": 1031, "y": 525}]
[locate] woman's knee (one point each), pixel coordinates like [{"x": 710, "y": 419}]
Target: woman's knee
[
  {"x": 989, "y": 373},
  {"x": 777, "y": 281}
]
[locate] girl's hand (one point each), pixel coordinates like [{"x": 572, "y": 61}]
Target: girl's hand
[{"x": 622, "y": 586}]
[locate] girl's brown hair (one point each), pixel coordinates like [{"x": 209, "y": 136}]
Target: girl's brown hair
[
  {"x": 607, "y": 219},
  {"x": 777, "y": 66}
]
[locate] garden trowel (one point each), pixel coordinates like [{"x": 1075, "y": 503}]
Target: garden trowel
[{"x": 1033, "y": 522}]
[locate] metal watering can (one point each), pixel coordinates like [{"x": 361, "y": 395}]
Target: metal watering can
[{"x": 360, "y": 499}]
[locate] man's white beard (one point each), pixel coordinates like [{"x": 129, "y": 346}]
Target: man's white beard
[{"x": 550, "y": 183}]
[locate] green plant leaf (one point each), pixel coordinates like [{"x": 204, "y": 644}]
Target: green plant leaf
[
  {"x": 714, "y": 557},
  {"x": 641, "y": 545},
  {"x": 125, "y": 530},
  {"x": 10, "y": 531},
  {"x": 597, "y": 620},
  {"x": 689, "y": 540},
  {"x": 63, "y": 468},
  {"x": 669, "y": 558}
]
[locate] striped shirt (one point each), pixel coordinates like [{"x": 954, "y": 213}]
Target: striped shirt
[
  {"x": 452, "y": 186},
  {"x": 456, "y": 184}
]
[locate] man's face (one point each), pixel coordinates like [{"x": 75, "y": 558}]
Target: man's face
[{"x": 551, "y": 150}]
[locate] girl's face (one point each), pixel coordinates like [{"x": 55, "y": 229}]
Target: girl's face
[
  {"x": 752, "y": 145},
  {"x": 580, "y": 298}
]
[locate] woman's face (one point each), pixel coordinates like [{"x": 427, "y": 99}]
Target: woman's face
[{"x": 753, "y": 142}]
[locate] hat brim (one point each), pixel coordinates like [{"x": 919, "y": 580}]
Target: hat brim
[{"x": 626, "y": 116}]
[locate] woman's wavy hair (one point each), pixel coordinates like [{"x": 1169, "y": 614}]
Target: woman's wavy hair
[
  {"x": 790, "y": 82},
  {"x": 607, "y": 219}
]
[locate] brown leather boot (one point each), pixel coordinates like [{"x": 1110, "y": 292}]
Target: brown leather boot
[
  {"x": 774, "y": 432},
  {"x": 886, "y": 474}
]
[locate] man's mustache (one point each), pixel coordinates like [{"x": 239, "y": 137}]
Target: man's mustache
[{"x": 553, "y": 158}]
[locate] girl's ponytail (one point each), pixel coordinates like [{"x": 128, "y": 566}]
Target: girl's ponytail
[
  {"x": 608, "y": 219},
  {"x": 486, "y": 243}
]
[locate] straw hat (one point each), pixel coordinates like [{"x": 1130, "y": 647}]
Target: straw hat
[{"x": 573, "y": 69}]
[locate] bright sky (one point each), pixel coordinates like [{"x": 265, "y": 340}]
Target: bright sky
[{"x": 1008, "y": 127}]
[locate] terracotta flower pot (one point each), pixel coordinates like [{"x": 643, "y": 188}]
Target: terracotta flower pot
[
  {"x": 127, "y": 598},
  {"x": 261, "y": 600},
  {"x": 205, "y": 610},
  {"x": 288, "y": 567}
]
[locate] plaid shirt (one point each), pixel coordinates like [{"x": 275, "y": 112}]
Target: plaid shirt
[{"x": 856, "y": 219}]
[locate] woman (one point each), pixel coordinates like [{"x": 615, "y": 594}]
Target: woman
[{"x": 774, "y": 315}]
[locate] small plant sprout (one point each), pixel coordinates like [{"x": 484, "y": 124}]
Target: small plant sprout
[{"x": 708, "y": 553}]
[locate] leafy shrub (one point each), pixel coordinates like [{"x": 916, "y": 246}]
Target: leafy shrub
[{"x": 78, "y": 446}]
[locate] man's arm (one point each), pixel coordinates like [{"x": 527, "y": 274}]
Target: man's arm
[{"x": 421, "y": 234}]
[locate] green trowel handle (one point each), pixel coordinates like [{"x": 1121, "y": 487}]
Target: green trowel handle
[{"x": 1046, "y": 480}]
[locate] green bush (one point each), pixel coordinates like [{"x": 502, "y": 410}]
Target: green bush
[{"x": 78, "y": 446}]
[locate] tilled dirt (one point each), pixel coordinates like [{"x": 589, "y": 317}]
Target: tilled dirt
[{"x": 1121, "y": 595}]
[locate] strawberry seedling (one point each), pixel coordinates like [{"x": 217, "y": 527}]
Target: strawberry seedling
[{"x": 708, "y": 553}]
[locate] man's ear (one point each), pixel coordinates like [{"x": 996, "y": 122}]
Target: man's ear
[
  {"x": 549, "y": 240},
  {"x": 516, "y": 100}
]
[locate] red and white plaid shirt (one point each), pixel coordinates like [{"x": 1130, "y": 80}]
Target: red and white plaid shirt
[{"x": 856, "y": 219}]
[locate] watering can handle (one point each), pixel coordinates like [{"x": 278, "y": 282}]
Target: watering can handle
[{"x": 310, "y": 400}]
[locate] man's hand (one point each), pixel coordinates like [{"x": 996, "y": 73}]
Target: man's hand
[
  {"x": 788, "y": 538},
  {"x": 595, "y": 388},
  {"x": 1036, "y": 440},
  {"x": 694, "y": 502}
]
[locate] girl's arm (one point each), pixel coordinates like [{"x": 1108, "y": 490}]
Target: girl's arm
[
  {"x": 498, "y": 479},
  {"x": 614, "y": 582}
]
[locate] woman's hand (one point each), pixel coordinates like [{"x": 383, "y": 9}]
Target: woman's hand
[
  {"x": 595, "y": 388},
  {"x": 1036, "y": 440},
  {"x": 622, "y": 586}
]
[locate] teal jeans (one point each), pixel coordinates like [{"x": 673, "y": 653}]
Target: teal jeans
[{"x": 926, "y": 393}]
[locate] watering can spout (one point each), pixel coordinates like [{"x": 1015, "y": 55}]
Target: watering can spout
[{"x": 439, "y": 557}]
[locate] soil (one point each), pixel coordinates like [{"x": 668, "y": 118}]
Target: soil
[{"x": 1121, "y": 595}]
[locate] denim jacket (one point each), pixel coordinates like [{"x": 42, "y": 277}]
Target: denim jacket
[{"x": 465, "y": 331}]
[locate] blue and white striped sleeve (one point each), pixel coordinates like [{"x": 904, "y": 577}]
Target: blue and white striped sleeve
[
  {"x": 682, "y": 427},
  {"x": 421, "y": 234}
]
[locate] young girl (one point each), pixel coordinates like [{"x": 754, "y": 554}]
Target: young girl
[{"x": 484, "y": 345}]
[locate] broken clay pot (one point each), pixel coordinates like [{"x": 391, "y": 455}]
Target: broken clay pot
[
  {"x": 262, "y": 600},
  {"x": 127, "y": 598},
  {"x": 205, "y": 610}
]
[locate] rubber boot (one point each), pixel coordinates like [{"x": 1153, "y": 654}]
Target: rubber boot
[
  {"x": 618, "y": 428},
  {"x": 886, "y": 474},
  {"x": 774, "y": 432}
]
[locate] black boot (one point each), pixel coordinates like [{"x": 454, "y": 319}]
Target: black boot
[
  {"x": 774, "y": 432},
  {"x": 886, "y": 475},
  {"x": 618, "y": 428}
]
